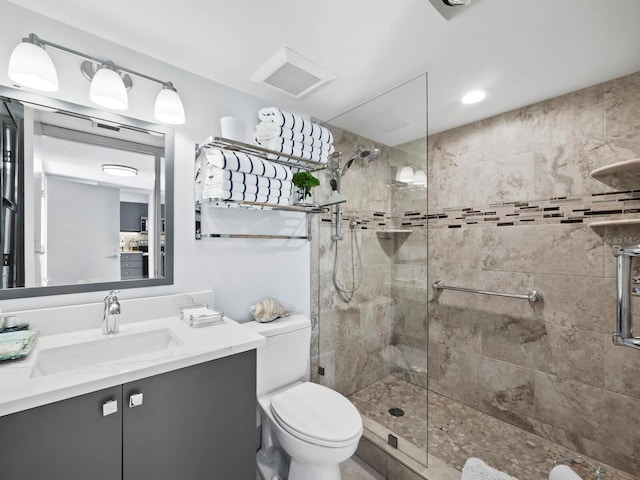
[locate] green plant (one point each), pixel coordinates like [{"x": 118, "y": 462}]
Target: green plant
[{"x": 305, "y": 182}]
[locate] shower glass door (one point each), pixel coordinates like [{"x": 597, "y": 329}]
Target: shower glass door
[{"x": 369, "y": 272}]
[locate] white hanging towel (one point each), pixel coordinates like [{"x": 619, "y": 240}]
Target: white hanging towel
[
  {"x": 563, "y": 472},
  {"x": 294, "y": 122},
  {"x": 476, "y": 469}
]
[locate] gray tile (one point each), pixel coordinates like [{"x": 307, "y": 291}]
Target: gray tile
[
  {"x": 399, "y": 471},
  {"x": 373, "y": 456},
  {"x": 621, "y": 423},
  {"x": 622, "y": 104}
]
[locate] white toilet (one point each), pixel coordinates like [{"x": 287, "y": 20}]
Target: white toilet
[{"x": 307, "y": 429}]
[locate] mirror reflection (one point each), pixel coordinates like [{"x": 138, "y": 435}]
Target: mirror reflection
[{"x": 83, "y": 199}]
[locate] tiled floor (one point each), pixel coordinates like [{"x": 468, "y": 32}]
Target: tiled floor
[{"x": 456, "y": 432}]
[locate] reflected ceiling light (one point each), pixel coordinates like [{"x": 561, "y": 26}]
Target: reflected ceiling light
[
  {"x": 475, "y": 96},
  {"x": 119, "y": 170},
  {"x": 31, "y": 66},
  {"x": 107, "y": 89},
  {"x": 168, "y": 108},
  {"x": 405, "y": 175},
  {"x": 420, "y": 178}
]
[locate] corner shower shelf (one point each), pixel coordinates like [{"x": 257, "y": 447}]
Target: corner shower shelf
[
  {"x": 625, "y": 222},
  {"x": 291, "y": 161},
  {"x": 625, "y": 166}
]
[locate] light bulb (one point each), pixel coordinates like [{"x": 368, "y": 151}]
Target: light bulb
[
  {"x": 168, "y": 107},
  {"x": 108, "y": 90},
  {"x": 405, "y": 175},
  {"x": 31, "y": 66}
]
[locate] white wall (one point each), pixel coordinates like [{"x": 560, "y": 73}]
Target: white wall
[{"x": 240, "y": 272}]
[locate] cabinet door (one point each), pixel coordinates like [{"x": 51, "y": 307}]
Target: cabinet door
[
  {"x": 197, "y": 423},
  {"x": 70, "y": 439}
]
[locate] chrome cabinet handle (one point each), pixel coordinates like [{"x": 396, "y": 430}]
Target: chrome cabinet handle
[
  {"x": 135, "y": 400},
  {"x": 109, "y": 408}
]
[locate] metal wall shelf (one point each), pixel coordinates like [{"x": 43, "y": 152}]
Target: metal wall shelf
[
  {"x": 293, "y": 162},
  {"x": 290, "y": 161}
]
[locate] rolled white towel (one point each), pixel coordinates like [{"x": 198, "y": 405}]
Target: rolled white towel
[
  {"x": 241, "y": 162},
  {"x": 269, "y": 131},
  {"x": 280, "y": 144},
  {"x": 294, "y": 122},
  {"x": 216, "y": 189},
  {"x": 217, "y": 175},
  {"x": 248, "y": 197},
  {"x": 476, "y": 469},
  {"x": 298, "y": 152}
]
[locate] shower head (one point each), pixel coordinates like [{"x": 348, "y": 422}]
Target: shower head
[{"x": 371, "y": 154}]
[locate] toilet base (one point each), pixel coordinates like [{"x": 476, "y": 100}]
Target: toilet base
[{"x": 299, "y": 471}]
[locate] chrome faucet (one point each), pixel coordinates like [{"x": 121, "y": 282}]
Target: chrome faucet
[{"x": 111, "y": 320}]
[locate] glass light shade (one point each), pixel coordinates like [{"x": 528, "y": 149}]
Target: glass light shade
[
  {"x": 168, "y": 107},
  {"x": 119, "y": 170},
  {"x": 405, "y": 175},
  {"x": 108, "y": 90},
  {"x": 31, "y": 66},
  {"x": 420, "y": 178}
]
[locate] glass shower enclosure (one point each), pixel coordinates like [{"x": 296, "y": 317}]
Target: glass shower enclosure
[{"x": 369, "y": 269}]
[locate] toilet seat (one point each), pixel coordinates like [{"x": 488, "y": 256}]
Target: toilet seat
[{"x": 317, "y": 414}]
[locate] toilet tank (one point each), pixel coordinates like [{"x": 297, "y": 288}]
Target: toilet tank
[{"x": 285, "y": 357}]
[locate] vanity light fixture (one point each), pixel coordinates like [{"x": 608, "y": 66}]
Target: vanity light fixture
[
  {"x": 420, "y": 178},
  {"x": 31, "y": 66},
  {"x": 405, "y": 175},
  {"x": 475, "y": 96},
  {"x": 119, "y": 170}
]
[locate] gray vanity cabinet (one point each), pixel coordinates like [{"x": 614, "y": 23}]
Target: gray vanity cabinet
[
  {"x": 69, "y": 440},
  {"x": 195, "y": 423}
]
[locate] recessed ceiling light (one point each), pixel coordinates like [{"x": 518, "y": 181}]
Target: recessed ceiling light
[
  {"x": 119, "y": 170},
  {"x": 475, "y": 96}
]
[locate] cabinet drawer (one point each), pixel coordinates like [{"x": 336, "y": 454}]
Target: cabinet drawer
[
  {"x": 131, "y": 263},
  {"x": 131, "y": 257},
  {"x": 130, "y": 273}
]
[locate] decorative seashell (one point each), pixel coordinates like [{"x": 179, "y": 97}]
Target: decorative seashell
[{"x": 268, "y": 310}]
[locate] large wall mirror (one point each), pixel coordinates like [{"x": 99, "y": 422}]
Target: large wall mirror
[{"x": 87, "y": 199}]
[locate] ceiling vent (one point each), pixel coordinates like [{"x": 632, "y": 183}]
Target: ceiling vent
[{"x": 292, "y": 73}]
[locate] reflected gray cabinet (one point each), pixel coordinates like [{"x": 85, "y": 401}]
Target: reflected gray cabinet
[
  {"x": 196, "y": 423},
  {"x": 130, "y": 214}
]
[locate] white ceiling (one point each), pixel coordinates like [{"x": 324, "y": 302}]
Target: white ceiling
[{"x": 523, "y": 51}]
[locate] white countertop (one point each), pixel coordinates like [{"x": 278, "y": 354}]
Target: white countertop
[{"x": 20, "y": 391}]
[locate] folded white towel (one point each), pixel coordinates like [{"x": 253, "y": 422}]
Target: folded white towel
[
  {"x": 476, "y": 469},
  {"x": 294, "y": 122},
  {"x": 269, "y": 131},
  {"x": 280, "y": 144},
  {"x": 241, "y": 162}
]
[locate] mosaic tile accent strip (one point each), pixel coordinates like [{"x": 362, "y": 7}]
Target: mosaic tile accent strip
[
  {"x": 366, "y": 220},
  {"x": 457, "y": 432},
  {"x": 560, "y": 210}
]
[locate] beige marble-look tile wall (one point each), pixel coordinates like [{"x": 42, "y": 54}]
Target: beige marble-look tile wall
[{"x": 550, "y": 369}]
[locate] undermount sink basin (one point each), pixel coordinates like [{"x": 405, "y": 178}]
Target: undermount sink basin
[{"x": 108, "y": 349}]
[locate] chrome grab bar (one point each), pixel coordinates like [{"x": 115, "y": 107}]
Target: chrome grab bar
[
  {"x": 533, "y": 296},
  {"x": 624, "y": 334}
]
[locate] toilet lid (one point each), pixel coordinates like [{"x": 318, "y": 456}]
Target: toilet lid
[{"x": 317, "y": 413}]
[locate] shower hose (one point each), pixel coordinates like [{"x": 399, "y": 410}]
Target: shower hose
[{"x": 347, "y": 293}]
